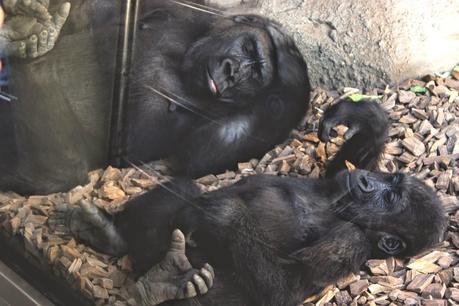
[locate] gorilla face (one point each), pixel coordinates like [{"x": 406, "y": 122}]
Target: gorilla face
[
  {"x": 233, "y": 63},
  {"x": 399, "y": 214}
]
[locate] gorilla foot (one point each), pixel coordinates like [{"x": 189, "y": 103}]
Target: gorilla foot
[
  {"x": 88, "y": 223},
  {"x": 173, "y": 278}
]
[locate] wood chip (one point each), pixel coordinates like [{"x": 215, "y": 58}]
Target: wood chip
[
  {"x": 358, "y": 287},
  {"x": 424, "y": 266},
  {"x": 420, "y": 282},
  {"x": 414, "y": 145}
]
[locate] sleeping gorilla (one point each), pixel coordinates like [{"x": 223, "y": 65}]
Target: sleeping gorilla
[
  {"x": 210, "y": 91},
  {"x": 272, "y": 240},
  {"x": 205, "y": 92}
]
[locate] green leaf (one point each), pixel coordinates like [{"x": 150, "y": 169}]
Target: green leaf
[
  {"x": 418, "y": 89},
  {"x": 357, "y": 97}
]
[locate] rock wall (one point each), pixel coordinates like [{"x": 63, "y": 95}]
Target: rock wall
[{"x": 365, "y": 43}]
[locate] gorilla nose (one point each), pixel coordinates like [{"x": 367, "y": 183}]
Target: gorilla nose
[
  {"x": 227, "y": 68},
  {"x": 365, "y": 184}
]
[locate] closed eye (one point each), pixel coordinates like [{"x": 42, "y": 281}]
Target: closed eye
[
  {"x": 390, "y": 197},
  {"x": 397, "y": 179}
]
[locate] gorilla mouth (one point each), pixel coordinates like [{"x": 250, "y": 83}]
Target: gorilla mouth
[{"x": 212, "y": 85}]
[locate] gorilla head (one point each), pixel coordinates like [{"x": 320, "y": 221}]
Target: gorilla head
[
  {"x": 240, "y": 59},
  {"x": 399, "y": 214}
]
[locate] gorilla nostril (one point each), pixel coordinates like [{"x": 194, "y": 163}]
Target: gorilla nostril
[
  {"x": 365, "y": 184},
  {"x": 227, "y": 67}
]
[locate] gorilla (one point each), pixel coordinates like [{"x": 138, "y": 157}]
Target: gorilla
[
  {"x": 272, "y": 241},
  {"x": 203, "y": 91},
  {"x": 207, "y": 92}
]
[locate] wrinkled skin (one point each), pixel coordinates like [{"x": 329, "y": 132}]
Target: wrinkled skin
[
  {"x": 31, "y": 30},
  {"x": 273, "y": 241}
]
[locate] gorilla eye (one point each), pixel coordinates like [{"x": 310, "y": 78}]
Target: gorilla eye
[
  {"x": 390, "y": 197},
  {"x": 248, "y": 49},
  {"x": 396, "y": 179},
  {"x": 391, "y": 245},
  {"x": 245, "y": 19}
]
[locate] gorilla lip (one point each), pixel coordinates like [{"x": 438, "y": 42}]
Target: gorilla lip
[{"x": 212, "y": 84}]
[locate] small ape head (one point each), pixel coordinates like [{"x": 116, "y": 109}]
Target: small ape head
[
  {"x": 400, "y": 215},
  {"x": 240, "y": 58}
]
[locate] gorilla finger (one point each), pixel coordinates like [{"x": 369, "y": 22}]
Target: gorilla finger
[
  {"x": 22, "y": 50},
  {"x": 325, "y": 127},
  {"x": 61, "y": 229},
  {"x": 16, "y": 48},
  {"x": 61, "y": 207},
  {"x": 9, "y": 5},
  {"x": 52, "y": 36},
  {"x": 56, "y": 218},
  {"x": 210, "y": 269},
  {"x": 207, "y": 277},
  {"x": 190, "y": 291},
  {"x": 32, "y": 46},
  {"x": 61, "y": 16},
  {"x": 43, "y": 42},
  {"x": 36, "y": 9},
  {"x": 45, "y": 3},
  {"x": 353, "y": 129},
  {"x": 177, "y": 242},
  {"x": 87, "y": 206},
  {"x": 200, "y": 283}
]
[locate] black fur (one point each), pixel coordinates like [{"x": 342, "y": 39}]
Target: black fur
[
  {"x": 272, "y": 240},
  {"x": 260, "y": 78},
  {"x": 262, "y": 95}
]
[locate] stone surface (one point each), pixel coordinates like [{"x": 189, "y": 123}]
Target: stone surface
[{"x": 365, "y": 43}]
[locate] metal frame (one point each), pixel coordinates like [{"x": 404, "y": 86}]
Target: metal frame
[
  {"x": 14, "y": 290},
  {"x": 126, "y": 42}
]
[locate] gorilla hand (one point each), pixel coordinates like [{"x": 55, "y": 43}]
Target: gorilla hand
[
  {"x": 367, "y": 123},
  {"x": 30, "y": 30},
  {"x": 173, "y": 277}
]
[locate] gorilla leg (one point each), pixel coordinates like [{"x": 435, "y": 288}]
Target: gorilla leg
[
  {"x": 236, "y": 235},
  {"x": 170, "y": 279},
  {"x": 368, "y": 124},
  {"x": 89, "y": 224},
  {"x": 146, "y": 239},
  {"x": 153, "y": 214}
]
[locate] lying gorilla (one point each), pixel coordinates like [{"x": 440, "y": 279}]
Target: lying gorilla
[
  {"x": 205, "y": 92},
  {"x": 272, "y": 240},
  {"x": 208, "y": 91}
]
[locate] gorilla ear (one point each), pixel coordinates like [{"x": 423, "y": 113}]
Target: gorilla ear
[{"x": 391, "y": 244}]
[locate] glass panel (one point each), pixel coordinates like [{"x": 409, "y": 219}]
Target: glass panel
[{"x": 57, "y": 126}]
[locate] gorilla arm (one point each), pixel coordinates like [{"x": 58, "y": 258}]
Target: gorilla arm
[
  {"x": 340, "y": 256},
  {"x": 219, "y": 145}
]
